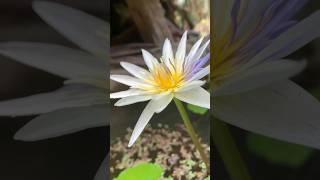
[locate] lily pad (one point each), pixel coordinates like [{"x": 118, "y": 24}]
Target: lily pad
[{"x": 144, "y": 171}]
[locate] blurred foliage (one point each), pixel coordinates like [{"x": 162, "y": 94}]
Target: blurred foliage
[
  {"x": 189, "y": 14},
  {"x": 278, "y": 152},
  {"x": 144, "y": 171},
  {"x": 185, "y": 14}
]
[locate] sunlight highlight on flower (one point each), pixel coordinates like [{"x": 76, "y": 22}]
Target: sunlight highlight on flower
[{"x": 172, "y": 76}]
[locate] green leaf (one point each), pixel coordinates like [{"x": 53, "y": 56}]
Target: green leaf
[
  {"x": 196, "y": 109},
  {"x": 278, "y": 152},
  {"x": 144, "y": 171}
]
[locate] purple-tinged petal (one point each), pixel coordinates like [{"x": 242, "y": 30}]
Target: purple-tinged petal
[{"x": 199, "y": 65}]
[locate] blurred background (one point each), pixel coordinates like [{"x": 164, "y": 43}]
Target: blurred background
[
  {"x": 75, "y": 156},
  {"x": 272, "y": 159}
]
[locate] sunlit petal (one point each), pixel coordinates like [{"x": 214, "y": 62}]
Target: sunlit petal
[
  {"x": 128, "y": 80},
  {"x": 167, "y": 53},
  {"x": 135, "y": 70},
  {"x": 181, "y": 52},
  {"x": 143, "y": 120},
  {"x": 149, "y": 59},
  {"x": 191, "y": 85},
  {"x": 132, "y": 99},
  {"x": 122, "y": 94},
  {"x": 196, "y": 96}
]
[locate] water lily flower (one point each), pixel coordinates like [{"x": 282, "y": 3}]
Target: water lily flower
[
  {"x": 250, "y": 72},
  {"x": 82, "y": 102},
  {"x": 172, "y": 76}
]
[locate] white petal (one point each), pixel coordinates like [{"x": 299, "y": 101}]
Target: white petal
[
  {"x": 102, "y": 173},
  {"x": 132, "y": 99},
  {"x": 68, "y": 96},
  {"x": 191, "y": 85},
  {"x": 282, "y": 110},
  {"x": 294, "y": 38},
  {"x": 154, "y": 106},
  {"x": 181, "y": 51},
  {"x": 62, "y": 122},
  {"x": 161, "y": 102},
  {"x": 89, "y": 32},
  {"x": 202, "y": 73},
  {"x": 149, "y": 59},
  {"x": 193, "y": 50},
  {"x": 62, "y": 61},
  {"x": 198, "y": 55},
  {"x": 127, "y": 93},
  {"x": 130, "y": 81},
  {"x": 260, "y": 75},
  {"x": 167, "y": 53},
  {"x": 196, "y": 96},
  {"x": 135, "y": 70},
  {"x": 143, "y": 120}
]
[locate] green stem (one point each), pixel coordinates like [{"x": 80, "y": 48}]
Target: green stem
[
  {"x": 192, "y": 132},
  {"x": 229, "y": 152}
]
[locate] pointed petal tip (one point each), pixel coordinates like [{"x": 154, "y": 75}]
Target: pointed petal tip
[
  {"x": 130, "y": 144},
  {"x": 146, "y": 52},
  {"x": 118, "y": 103},
  {"x": 114, "y": 77},
  {"x": 111, "y": 96},
  {"x": 143, "y": 50},
  {"x": 132, "y": 141},
  {"x": 184, "y": 35},
  {"x": 21, "y": 136},
  {"x": 17, "y": 136},
  {"x": 123, "y": 63}
]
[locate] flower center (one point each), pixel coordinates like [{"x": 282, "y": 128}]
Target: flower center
[
  {"x": 224, "y": 58},
  {"x": 167, "y": 79}
]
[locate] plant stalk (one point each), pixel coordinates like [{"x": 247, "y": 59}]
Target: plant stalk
[
  {"x": 229, "y": 152},
  {"x": 192, "y": 132}
]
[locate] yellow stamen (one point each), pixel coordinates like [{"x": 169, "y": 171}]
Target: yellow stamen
[{"x": 165, "y": 79}]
